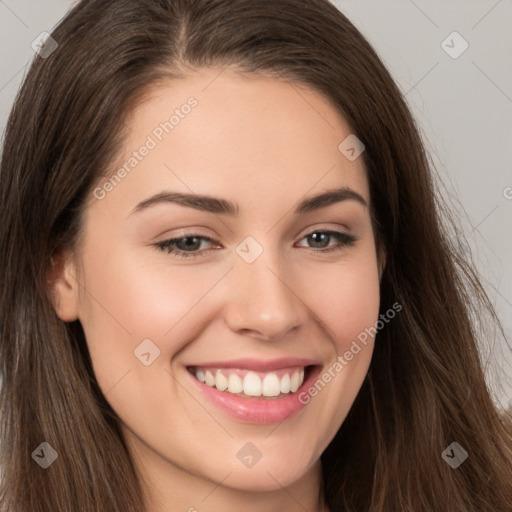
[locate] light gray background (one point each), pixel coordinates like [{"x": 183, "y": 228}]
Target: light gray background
[{"x": 463, "y": 107}]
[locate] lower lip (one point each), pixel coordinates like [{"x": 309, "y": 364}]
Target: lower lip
[{"x": 256, "y": 410}]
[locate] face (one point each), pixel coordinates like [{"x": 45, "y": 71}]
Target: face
[{"x": 220, "y": 330}]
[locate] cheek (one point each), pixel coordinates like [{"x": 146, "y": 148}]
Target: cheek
[
  {"x": 141, "y": 299},
  {"x": 127, "y": 301},
  {"x": 345, "y": 296},
  {"x": 346, "y": 300}
]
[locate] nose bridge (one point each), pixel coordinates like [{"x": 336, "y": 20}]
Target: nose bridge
[{"x": 263, "y": 301}]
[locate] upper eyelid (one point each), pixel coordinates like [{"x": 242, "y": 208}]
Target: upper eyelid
[{"x": 304, "y": 233}]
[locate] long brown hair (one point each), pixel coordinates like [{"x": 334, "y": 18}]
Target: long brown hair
[{"x": 425, "y": 388}]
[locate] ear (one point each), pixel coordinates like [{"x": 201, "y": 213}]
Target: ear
[{"x": 63, "y": 286}]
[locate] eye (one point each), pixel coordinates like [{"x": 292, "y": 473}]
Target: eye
[
  {"x": 190, "y": 245},
  {"x": 184, "y": 247},
  {"x": 320, "y": 240}
]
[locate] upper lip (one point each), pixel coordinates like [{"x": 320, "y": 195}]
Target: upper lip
[{"x": 259, "y": 365}]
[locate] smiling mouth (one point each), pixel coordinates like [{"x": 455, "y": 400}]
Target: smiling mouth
[{"x": 252, "y": 384}]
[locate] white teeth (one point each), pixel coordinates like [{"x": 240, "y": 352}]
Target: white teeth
[
  {"x": 285, "y": 384},
  {"x": 221, "y": 382},
  {"x": 235, "y": 383},
  {"x": 253, "y": 384},
  {"x": 271, "y": 385},
  {"x": 209, "y": 379},
  {"x": 294, "y": 382}
]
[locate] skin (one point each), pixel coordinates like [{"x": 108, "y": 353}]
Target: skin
[{"x": 265, "y": 145}]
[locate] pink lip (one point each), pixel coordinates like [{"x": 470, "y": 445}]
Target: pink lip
[
  {"x": 258, "y": 365},
  {"x": 258, "y": 410}
]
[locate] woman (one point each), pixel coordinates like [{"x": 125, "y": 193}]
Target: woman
[{"x": 225, "y": 282}]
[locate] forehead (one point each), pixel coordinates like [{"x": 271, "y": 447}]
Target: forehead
[{"x": 242, "y": 138}]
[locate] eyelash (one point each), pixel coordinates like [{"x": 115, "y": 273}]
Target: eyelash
[{"x": 344, "y": 240}]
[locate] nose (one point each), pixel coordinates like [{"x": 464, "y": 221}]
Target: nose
[{"x": 263, "y": 302}]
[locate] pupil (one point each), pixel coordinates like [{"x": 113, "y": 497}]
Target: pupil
[
  {"x": 191, "y": 242},
  {"x": 316, "y": 236}
]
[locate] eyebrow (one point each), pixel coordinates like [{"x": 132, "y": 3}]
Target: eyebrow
[{"x": 222, "y": 206}]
